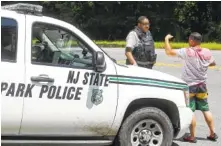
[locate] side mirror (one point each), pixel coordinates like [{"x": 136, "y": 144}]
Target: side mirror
[{"x": 100, "y": 63}]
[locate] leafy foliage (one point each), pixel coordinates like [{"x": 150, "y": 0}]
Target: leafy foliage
[{"x": 113, "y": 20}]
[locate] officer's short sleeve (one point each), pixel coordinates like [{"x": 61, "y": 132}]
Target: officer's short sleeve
[
  {"x": 131, "y": 41},
  {"x": 181, "y": 53}
]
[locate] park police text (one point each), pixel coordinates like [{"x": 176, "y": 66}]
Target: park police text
[{"x": 57, "y": 92}]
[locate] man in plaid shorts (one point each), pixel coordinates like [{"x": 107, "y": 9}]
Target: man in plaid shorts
[{"x": 196, "y": 63}]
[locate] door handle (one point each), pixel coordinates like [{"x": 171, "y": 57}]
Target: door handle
[{"x": 42, "y": 78}]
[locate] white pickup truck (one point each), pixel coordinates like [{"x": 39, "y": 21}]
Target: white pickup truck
[{"x": 58, "y": 86}]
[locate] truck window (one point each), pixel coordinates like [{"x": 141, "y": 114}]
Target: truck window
[
  {"x": 9, "y": 33},
  {"x": 52, "y": 45}
]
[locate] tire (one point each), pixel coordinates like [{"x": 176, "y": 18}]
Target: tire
[{"x": 156, "y": 122}]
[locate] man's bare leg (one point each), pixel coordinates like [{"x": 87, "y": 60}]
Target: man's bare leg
[
  {"x": 192, "y": 138},
  {"x": 209, "y": 120},
  {"x": 193, "y": 127}
]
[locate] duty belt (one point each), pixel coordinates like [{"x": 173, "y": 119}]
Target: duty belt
[{"x": 144, "y": 63}]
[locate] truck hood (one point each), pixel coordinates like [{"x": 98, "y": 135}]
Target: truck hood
[{"x": 144, "y": 73}]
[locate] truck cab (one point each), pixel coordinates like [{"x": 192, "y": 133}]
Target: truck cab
[{"x": 58, "y": 86}]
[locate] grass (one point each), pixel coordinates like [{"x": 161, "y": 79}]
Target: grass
[{"x": 159, "y": 45}]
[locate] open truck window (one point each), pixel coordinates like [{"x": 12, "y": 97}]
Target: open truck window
[{"x": 56, "y": 46}]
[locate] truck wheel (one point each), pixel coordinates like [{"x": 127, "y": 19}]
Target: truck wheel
[{"x": 146, "y": 127}]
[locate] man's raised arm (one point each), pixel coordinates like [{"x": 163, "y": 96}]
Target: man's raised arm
[{"x": 168, "y": 49}]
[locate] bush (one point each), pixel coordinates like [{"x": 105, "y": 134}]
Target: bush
[{"x": 158, "y": 45}]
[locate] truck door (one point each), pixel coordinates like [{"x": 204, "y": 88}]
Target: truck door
[
  {"x": 69, "y": 97},
  {"x": 12, "y": 71}
]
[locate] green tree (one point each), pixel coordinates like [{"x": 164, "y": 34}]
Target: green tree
[
  {"x": 202, "y": 17},
  {"x": 113, "y": 20}
]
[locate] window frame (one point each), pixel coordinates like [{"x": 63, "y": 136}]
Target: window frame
[
  {"x": 16, "y": 52},
  {"x": 74, "y": 35}
]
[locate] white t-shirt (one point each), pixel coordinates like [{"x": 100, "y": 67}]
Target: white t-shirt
[{"x": 196, "y": 63}]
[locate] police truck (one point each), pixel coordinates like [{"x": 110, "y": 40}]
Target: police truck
[{"x": 59, "y": 87}]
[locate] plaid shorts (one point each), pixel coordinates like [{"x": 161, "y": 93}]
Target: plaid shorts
[{"x": 198, "y": 97}]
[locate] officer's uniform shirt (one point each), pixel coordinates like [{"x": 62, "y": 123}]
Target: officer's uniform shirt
[{"x": 132, "y": 42}]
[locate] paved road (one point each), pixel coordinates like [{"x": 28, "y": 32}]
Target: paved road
[{"x": 173, "y": 66}]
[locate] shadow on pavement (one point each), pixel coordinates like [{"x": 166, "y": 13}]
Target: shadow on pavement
[
  {"x": 198, "y": 138},
  {"x": 201, "y": 138},
  {"x": 187, "y": 134}
]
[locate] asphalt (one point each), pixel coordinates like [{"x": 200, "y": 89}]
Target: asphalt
[{"x": 173, "y": 65}]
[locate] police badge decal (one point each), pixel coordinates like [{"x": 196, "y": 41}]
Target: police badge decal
[{"x": 97, "y": 97}]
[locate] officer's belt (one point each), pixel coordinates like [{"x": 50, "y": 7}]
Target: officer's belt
[{"x": 144, "y": 63}]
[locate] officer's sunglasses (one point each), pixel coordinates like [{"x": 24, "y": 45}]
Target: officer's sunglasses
[{"x": 146, "y": 24}]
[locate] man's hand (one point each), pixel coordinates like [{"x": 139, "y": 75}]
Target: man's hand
[
  {"x": 212, "y": 64},
  {"x": 168, "y": 37},
  {"x": 135, "y": 64},
  {"x": 169, "y": 51}
]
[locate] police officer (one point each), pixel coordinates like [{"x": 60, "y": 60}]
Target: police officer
[{"x": 140, "y": 49}]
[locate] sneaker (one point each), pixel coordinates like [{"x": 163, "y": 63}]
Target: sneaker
[
  {"x": 190, "y": 139},
  {"x": 213, "y": 138}
]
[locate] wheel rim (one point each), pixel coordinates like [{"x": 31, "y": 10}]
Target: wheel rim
[{"x": 147, "y": 133}]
